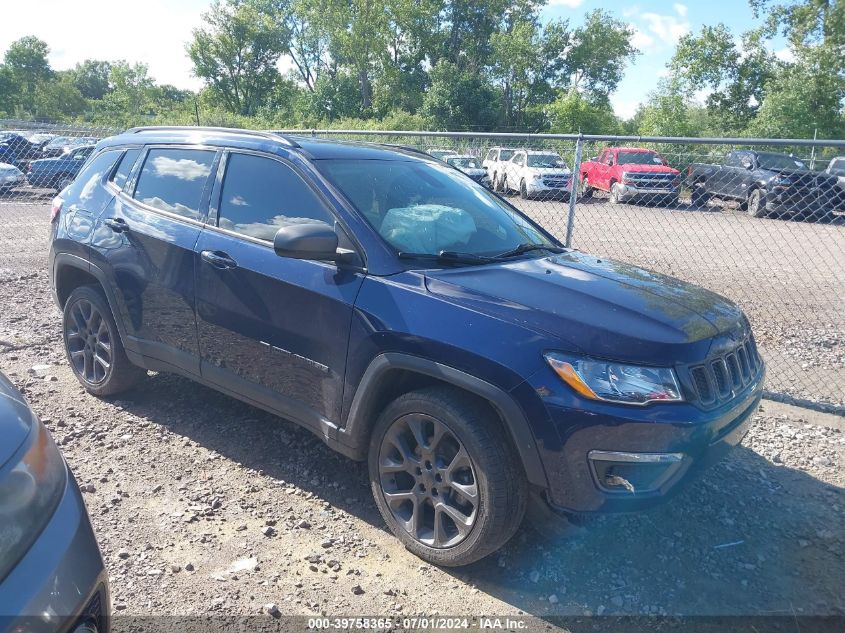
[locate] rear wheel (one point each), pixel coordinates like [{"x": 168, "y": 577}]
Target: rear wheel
[
  {"x": 93, "y": 346},
  {"x": 63, "y": 182},
  {"x": 445, "y": 480},
  {"x": 523, "y": 190},
  {"x": 497, "y": 186}
]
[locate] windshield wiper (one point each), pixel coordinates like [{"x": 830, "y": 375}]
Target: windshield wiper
[
  {"x": 530, "y": 246},
  {"x": 450, "y": 257}
]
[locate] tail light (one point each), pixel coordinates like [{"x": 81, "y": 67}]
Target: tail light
[{"x": 55, "y": 209}]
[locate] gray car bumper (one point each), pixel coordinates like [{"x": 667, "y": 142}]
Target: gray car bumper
[{"x": 61, "y": 581}]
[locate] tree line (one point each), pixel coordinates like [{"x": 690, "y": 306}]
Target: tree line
[{"x": 484, "y": 65}]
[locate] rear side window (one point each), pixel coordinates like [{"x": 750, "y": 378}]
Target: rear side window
[
  {"x": 173, "y": 180},
  {"x": 260, "y": 195},
  {"x": 125, "y": 168},
  {"x": 84, "y": 186}
]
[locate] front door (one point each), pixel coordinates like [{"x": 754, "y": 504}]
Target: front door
[{"x": 272, "y": 329}]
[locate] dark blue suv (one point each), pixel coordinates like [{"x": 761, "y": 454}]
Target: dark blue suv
[{"x": 405, "y": 315}]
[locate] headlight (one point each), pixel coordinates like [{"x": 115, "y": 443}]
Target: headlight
[
  {"x": 781, "y": 181},
  {"x": 30, "y": 490},
  {"x": 615, "y": 382}
]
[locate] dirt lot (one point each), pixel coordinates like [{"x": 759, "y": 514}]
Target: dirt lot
[{"x": 204, "y": 505}]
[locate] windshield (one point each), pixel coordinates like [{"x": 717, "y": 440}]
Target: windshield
[
  {"x": 640, "y": 158},
  {"x": 59, "y": 141},
  {"x": 837, "y": 168},
  {"x": 464, "y": 163},
  {"x": 779, "y": 161},
  {"x": 424, "y": 208},
  {"x": 505, "y": 154},
  {"x": 545, "y": 160}
]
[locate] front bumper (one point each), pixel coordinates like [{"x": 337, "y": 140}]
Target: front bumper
[
  {"x": 539, "y": 187},
  {"x": 602, "y": 457},
  {"x": 629, "y": 192},
  {"x": 787, "y": 205},
  {"x": 61, "y": 581}
]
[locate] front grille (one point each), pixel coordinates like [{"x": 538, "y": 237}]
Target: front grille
[
  {"x": 652, "y": 181},
  {"x": 720, "y": 377},
  {"x": 555, "y": 182}
]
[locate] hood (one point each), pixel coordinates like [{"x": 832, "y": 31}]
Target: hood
[
  {"x": 601, "y": 307},
  {"x": 806, "y": 177},
  {"x": 649, "y": 169},
  {"x": 16, "y": 420}
]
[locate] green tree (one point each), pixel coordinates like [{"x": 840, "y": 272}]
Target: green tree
[
  {"x": 27, "y": 65},
  {"x": 458, "y": 99},
  {"x": 237, "y": 53},
  {"x": 59, "y": 98},
  {"x": 91, "y": 78},
  {"x": 572, "y": 112}
]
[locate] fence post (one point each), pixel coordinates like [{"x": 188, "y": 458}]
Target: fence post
[{"x": 573, "y": 194}]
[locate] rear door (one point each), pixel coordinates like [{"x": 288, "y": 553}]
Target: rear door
[
  {"x": 145, "y": 242},
  {"x": 272, "y": 329}
]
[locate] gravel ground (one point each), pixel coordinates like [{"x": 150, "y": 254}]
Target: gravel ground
[{"x": 204, "y": 505}]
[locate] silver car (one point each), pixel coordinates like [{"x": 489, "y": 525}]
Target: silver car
[
  {"x": 52, "y": 577},
  {"x": 10, "y": 177}
]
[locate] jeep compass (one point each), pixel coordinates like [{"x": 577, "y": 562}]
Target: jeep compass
[{"x": 408, "y": 317}]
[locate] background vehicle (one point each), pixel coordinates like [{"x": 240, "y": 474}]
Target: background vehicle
[
  {"x": 407, "y": 317},
  {"x": 765, "y": 183},
  {"x": 63, "y": 144},
  {"x": 18, "y": 148},
  {"x": 471, "y": 166},
  {"x": 496, "y": 156},
  {"x": 50, "y": 565},
  {"x": 630, "y": 173},
  {"x": 59, "y": 172},
  {"x": 537, "y": 173},
  {"x": 10, "y": 177},
  {"x": 441, "y": 154}
]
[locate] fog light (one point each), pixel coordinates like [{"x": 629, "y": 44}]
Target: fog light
[{"x": 633, "y": 473}]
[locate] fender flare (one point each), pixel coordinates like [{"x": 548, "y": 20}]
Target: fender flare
[
  {"x": 355, "y": 433},
  {"x": 63, "y": 260}
]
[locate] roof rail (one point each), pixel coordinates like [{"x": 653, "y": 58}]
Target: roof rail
[{"x": 230, "y": 130}]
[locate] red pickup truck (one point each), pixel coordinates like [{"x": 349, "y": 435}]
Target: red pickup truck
[{"x": 629, "y": 173}]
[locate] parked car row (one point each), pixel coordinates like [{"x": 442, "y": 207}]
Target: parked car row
[{"x": 763, "y": 183}]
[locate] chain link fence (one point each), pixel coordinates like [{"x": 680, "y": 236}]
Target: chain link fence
[{"x": 760, "y": 221}]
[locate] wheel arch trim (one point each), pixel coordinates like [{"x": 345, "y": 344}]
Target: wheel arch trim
[{"x": 355, "y": 433}]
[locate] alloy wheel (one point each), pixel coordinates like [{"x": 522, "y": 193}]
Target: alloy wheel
[
  {"x": 428, "y": 481},
  {"x": 89, "y": 342}
]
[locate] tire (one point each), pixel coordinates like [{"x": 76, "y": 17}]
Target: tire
[
  {"x": 586, "y": 189},
  {"x": 495, "y": 183},
  {"x": 699, "y": 196},
  {"x": 505, "y": 189},
  {"x": 614, "y": 193},
  {"x": 523, "y": 190},
  {"x": 63, "y": 182},
  {"x": 756, "y": 206},
  {"x": 93, "y": 346},
  {"x": 469, "y": 444}
]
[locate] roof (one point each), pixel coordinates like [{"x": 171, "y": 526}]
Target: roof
[
  {"x": 314, "y": 148},
  {"x": 463, "y": 156},
  {"x": 540, "y": 152}
]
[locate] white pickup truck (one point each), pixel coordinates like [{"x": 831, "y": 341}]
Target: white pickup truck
[{"x": 536, "y": 173}]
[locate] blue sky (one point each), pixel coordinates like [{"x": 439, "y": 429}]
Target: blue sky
[{"x": 156, "y": 34}]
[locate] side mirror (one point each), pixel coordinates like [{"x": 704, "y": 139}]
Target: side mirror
[
  {"x": 746, "y": 162},
  {"x": 306, "y": 241},
  {"x": 610, "y": 162}
]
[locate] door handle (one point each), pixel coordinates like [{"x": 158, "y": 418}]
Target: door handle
[
  {"x": 118, "y": 225},
  {"x": 218, "y": 259}
]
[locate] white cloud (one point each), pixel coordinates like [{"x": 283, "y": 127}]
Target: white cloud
[
  {"x": 681, "y": 9},
  {"x": 785, "y": 54},
  {"x": 641, "y": 40},
  {"x": 624, "y": 108},
  {"x": 667, "y": 28},
  {"x": 572, "y": 4},
  {"x": 155, "y": 35}
]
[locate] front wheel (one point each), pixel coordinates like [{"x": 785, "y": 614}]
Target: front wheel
[
  {"x": 445, "y": 480},
  {"x": 523, "y": 190},
  {"x": 756, "y": 205},
  {"x": 586, "y": 189},
  {"x": 615, "y": 195},
  {"x": 93, "y": 346}
]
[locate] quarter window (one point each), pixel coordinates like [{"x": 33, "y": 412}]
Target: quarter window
[
  {"x": 125, "y": 168},
  {"x": 173, "y": 180},
  {"x": 261, "y": 195}
]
